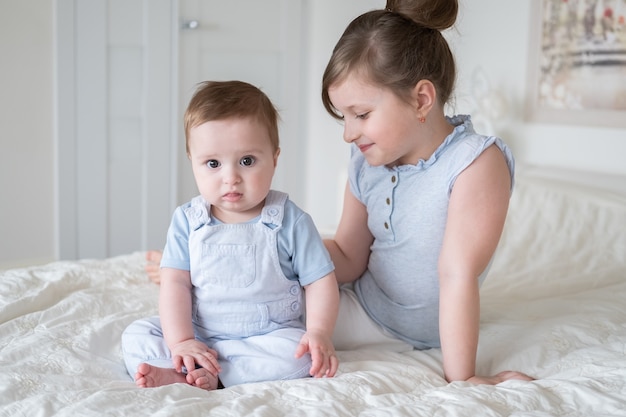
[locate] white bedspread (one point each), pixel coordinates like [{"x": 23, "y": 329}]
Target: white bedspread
[{"x": 552, "y": 306}]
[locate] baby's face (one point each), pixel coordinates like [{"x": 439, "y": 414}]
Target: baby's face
[{"x": 233, "y": 162}]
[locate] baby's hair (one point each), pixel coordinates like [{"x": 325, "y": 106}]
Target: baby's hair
[
  {"x": 221, "y": 100},
  {"x": 396, "y": 48}
]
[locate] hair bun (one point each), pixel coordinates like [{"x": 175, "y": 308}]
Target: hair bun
[{"x": 434, "y": 14}]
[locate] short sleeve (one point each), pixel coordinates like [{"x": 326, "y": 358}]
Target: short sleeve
[
  {"x": 309, "y": 258},
  {"x": 176, "y": 251}
]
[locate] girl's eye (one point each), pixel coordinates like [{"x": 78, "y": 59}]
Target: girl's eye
[
  {"x": 247, "y": 161},
  {"x": 213, "y": 163},
  {"x": 361, "y": 116}
]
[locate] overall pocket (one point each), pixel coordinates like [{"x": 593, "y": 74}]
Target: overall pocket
[{"x": 228, "y": 265}]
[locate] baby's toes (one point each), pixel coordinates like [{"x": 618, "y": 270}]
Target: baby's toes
[{"x": 207, "y": 382}]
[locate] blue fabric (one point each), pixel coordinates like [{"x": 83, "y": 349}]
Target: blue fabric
[
  {"x": 244, "y": 305},
  {"x": 301, "y": 252},
  {"x": 407, "y": 209}
]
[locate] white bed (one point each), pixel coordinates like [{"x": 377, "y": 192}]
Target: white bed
[{"x": 552, "y": 307}]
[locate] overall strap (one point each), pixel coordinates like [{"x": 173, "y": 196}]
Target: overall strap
[
  {"x": 272, "y": 214},
  {"x": 197, "y": 213}
]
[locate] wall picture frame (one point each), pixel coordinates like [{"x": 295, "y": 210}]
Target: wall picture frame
[{"x": 577, "y": 59}]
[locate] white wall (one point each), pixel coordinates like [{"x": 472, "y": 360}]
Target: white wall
[
  {"x": 494, "y": 35},
  {"x": 26, "y": 132},
  {"x": 327, "y": 153},
  {"x": 491, "y": 35}
]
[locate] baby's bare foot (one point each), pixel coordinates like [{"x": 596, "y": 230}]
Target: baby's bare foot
[
  {"x": 149, "y": 376},
  {"x": 202, "y": 378}
]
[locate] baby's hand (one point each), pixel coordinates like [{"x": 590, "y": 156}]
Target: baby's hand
[
  {"x": 190, "y": 353},
  {"x": 322, "y": 351}
]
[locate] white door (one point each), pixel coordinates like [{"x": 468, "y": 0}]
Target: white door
[
  {"x": 114, "y": 125},
  {"x": 249, "y": 40}
]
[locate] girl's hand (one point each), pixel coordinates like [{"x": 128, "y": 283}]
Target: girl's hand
[
  {"x": 190, "y": 353},
  {"x": 501, "y": 377},
  {"x": 325, "y": 362}
]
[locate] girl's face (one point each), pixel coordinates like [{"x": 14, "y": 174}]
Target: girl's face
[
  {"x": 383, "y": 126},
  {"x": 233, "y": 163}
]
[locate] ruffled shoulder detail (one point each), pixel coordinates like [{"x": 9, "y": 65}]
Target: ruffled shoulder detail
[{"x": 462, "y": 126}]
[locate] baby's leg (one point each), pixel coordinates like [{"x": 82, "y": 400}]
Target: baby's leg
[
  {"x": 142, "y": 342},
  {"x": 267, "y": 357}
]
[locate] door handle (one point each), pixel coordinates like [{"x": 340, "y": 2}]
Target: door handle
[{"x": 190, "y": 24}]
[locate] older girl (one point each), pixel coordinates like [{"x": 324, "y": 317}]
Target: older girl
[{"x": 426, "y": 198}]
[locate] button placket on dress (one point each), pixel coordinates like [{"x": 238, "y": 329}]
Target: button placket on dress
[{"x": 389, "y": 202}]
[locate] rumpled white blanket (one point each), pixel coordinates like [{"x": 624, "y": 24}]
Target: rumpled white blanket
[{"x": 552, "y": 307}]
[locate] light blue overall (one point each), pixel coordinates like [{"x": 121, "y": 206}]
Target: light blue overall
[{"x": 243, "y": 305}]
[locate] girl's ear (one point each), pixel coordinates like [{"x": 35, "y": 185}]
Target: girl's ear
[{"x": 424, "y": 97}]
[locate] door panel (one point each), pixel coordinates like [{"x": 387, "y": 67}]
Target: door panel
[{"x": 114, "y": 125}]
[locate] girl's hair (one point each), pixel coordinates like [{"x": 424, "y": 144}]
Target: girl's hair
[
  {"x": 396, "y": 48},
  {"x": 220, "y": 100}
]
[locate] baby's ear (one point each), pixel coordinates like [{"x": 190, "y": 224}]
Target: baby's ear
[{"x": 276, "y": 157}]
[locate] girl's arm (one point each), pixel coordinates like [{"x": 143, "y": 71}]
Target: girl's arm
[
  {"x": 322, "y": 306},
  {"x": 476, "y": 215},
  {"x": 350, "y": 248},
  {"x": 175, "y": 314}
]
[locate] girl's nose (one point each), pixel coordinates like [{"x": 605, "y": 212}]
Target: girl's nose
[{"x": 350, "y": 133}]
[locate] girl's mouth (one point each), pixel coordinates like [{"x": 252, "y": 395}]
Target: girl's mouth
[{"x": 364, "y": 148}]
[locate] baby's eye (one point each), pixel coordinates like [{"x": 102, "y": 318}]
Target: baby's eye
[
  {"x": 213, "y": 163},
  {"x": 247, "y": 161},
  {"x": 361, "y": 116}
]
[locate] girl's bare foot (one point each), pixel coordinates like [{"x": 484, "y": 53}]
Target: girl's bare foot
[
  {"x": 149, "y": 376},
  {"x": 153, "y": 265}
]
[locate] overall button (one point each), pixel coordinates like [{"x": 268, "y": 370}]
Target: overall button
[
  {"x": 295, "y": 306},
  {"x": 294, "y": 290},
  {"x": 272, "y": 212}
]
